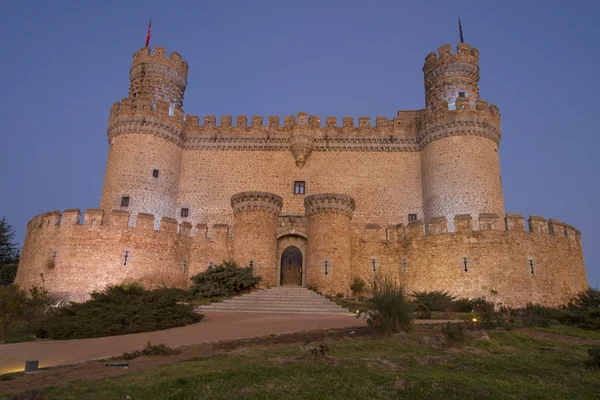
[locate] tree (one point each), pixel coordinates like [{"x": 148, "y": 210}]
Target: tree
[{"x": 9, "y": 253}]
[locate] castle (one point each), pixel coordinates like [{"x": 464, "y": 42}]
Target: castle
[{"x": 308, "y": 202}]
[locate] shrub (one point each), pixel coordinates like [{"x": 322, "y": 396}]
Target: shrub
[
  {"x": 8, "y": 272},
  {"x": 223, "y": 280},
  {"x": 462, "y": 305},
  {"x": 484, "y": 312},
  {"x": 391, "y": 310},
  {"x": 455, "y": 334},
  {"x": 151, "y": 350},
  {"x": 118, "y": 310},
  {"x": 426, "y": 302},
  {"x": 594, "y": 361},
  {"x": 536, "y": 315},
  {"x": 358, "y": 286},
  {"x": 583, "y": 310},
  {"x": 30, "y": 394},
  {"x": 18, "y": 311}
]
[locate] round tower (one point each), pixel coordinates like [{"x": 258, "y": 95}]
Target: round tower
[
  {"x": 328, "y": 246},
  {"x": 145, "y": 136},
  {"x": 459, "y": 139},
  {"x": 256, "y": 217}
]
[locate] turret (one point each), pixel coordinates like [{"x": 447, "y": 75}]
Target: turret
[
  {"x": 450, "y": 76},
  {"x": 459, "y": 139},
  {"x": 145, "y": 135},
  {"x": 158, "y": 76}
]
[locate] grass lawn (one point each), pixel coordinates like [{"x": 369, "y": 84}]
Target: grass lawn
[{"x": 494, "y": 365}]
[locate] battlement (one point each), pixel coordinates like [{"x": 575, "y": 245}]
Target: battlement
[
  {"x": 405, "y": 122},
  {"x": 256, "y": 201},
  {"x": 329, "y": 203},
  {"x": 175, "y": 61},
  {"x": 121, "y": 220},
  {"x": 464, "y": 54},
  {"x": 146, "y": 105}
]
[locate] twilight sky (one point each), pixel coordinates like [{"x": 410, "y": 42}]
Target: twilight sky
[{"x": 66, "y": 62}]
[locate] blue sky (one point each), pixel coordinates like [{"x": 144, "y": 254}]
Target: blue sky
[{"x": 65, "y": 62}]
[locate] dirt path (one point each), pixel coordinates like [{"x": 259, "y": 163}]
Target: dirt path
[{"x": 214, "y": 327}]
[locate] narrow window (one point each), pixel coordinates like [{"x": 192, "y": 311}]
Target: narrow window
[
  {"x": 185, "y": 212},
  {"x": 466, "y": 262},
  {"x": 531, "y": 265},
  {"x": 461, "y": 94},
  {"x": 155, "y": 173},
  {"x": 412, "y": 217},
  {"x": 404, "y": 262},
  {"x": 172, "y": 109},
  {"x": 299, "y": 187},
  {"x": 125, "y": 201}
]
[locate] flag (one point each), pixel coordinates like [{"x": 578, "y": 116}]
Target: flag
[
  {"x": 459, "y": 30},
  {"x": 148, "y": 34}
]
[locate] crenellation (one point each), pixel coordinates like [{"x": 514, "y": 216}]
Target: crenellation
[
  {"x": 51, "y": 219},
  {"x": 241, "y": 121},
  {"x": 490, "y": 222},
  {"x": 273, "y": 122},
  {"x": 168, "y": 224},
  {"x": 202, "y": 231},
  {"x": 415, "y": 229},
  {"x": 70, "y": 217},
  {"x": 314, "y": 121},
  {"x": 289, "y": 121},
  {"x": 210, "y": 121},
  {"x": 515, "y": 222},
  {"x": 347, "y": 122},
  {"x": 118, "y": 219},
  {"x": 437, "y": 226},
  {"x": 381, "y": 122},
  {"x": 185, "y": 229},
  {"x": 330, "y": 122},
  {"x": 226, "y": 121},
  {"x": 144, "y": 221},
  {"x": 556, "y": 228},
  {"x": 364, "y": 122},
  {"x": 538, "y": 224},
  {"x": 257, "y": 121},
  {"x": 463, "y": 223}
]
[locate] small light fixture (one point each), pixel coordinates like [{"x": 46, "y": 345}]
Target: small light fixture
[
  {"x": 31, "y": 365},
  {"x": 474, "y": 319}
]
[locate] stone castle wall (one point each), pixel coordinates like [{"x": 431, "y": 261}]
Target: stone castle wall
[{"x": 504, "y": 262}]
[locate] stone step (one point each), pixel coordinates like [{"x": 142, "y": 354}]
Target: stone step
[
  {"x": 296, "y": 300},
  {"x": 271, "y": 308}
]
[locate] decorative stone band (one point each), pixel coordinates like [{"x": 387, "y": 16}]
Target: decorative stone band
[
  {"x": 456, "y": 68},
  {"x": 145, "y": 124},
  {"x": 282, "y": 142},
  {"x": 142, "y": 70},
  {"x": 256, "y": 201},
  {"x": 460, "y": 126},
  {"x": 329, "y": 203}
]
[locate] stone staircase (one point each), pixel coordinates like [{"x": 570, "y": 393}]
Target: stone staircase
[{"x": 281, "y": 300}]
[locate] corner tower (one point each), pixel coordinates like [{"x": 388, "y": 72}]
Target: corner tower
[
  {"x": 145, "y": 135},
  {"x": 459, "y": 139}
]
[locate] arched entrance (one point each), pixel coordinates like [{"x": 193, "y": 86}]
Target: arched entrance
[{"x": 291, "y": 267}]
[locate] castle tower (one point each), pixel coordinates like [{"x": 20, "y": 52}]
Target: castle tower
[
  {"x": 459, "y": 139},
  {"x": 256, "y": 216},
  {"x": 145, "y": 136},
  {"x": 328, "y": 251}
]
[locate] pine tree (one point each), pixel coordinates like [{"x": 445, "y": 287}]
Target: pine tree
[{"x": 9, "y": 251}]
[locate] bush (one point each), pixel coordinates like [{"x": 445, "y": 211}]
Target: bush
[
  {"x": 151, "y": 350},
  {"x": 426, "y": 302},
  {"x": 223, "y": 280},
  {"x": 462, "y": 305},
  {"x": 483, "y": 310},
  {"x": 391, "y": 310},
  {"x": 455, "y": 334},
  {"x": 583, "y": 310},
  {"x": 358, "y": 286},
  {"x": 18, "y": 311},
  {"x": 594, "y": 361},
  {"x": 536, "y": 315},
  {"x": 119, "y": 310},
  {"x": 8, "y": 272}
]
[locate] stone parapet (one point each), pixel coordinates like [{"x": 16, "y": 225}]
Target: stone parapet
[
  {"x": 329, "y": 203},
  {"x": 466, "y": 57},
  {"x": 256, "y": 201}
]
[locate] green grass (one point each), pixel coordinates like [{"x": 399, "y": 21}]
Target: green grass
[
  {"x": 510, "y": 365},
  {"x": 567, "y": 330}
]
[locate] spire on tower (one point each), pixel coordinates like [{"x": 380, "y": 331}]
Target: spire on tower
[{"x": 460, "y": 31}]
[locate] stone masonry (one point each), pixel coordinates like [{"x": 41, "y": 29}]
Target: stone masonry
[{"x": 417, "y": 197}]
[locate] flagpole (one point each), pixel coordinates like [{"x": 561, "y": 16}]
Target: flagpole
[
  {"x": 460, "y": 31},
  {"x": 148, "y": 34}
]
